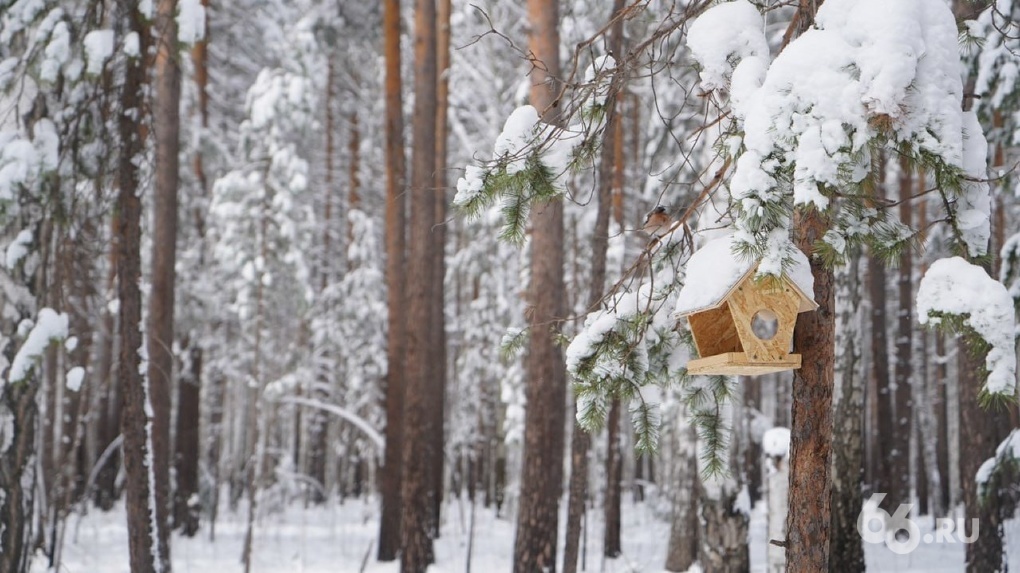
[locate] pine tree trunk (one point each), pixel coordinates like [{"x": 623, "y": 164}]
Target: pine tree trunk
[
  {"x": 437, "y": 311},
  {"x": 978, "y": 441},
  {"x": 390, "y": 482},
  {"x": 611, "y": 546},
  {"x": 807, "y": 537},
  {"x": 846, "y": 552},
  {"x": 941, "y": 420},
  {"x": 17, "y": 451},
  {"x": 187, "y": 445},
  {"x": 108, "y": 404},
  {"x": 545, "y": 379},
  {"x": 160, "y": 320},
  {"x": 778, "y": 503},
  {"x": 418, "y": 491},
  {"x": 880, "y": 375},
  {"x": 147, "y": 537},
  {"x": 898, "y": 440},
  {"x": 682, "y": 551},
  {"x": 610, "y": 183}
]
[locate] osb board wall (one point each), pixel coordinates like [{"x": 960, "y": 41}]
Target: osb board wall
[
  {"x": 714, "y": 331},
  {"x": 749, "y": 298}
]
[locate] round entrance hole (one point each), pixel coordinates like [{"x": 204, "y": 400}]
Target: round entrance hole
[{"x": 765, "y": 324}]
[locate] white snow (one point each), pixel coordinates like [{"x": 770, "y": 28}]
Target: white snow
[
  {"x": 18, "y": 163},
  {"x": 974, "y": 213},
  {"x": 132, "y": 47},
  {"x": 729, "y": 32},
  {"x": 469, "y": 187},
  {"x": 98, "y": 49},
  {"x": 525, "y": 138},
  {"x": 517, "y": 136},
  {"x": 600, "y": 85},
  {"x": 776, "y": 442},
  {"x": 57, "y": 52},
  {"x": 18, "y": 248},
  {"x": 954, "y": 286},
  {"x": 74, "y": 378},
  {"x": 49, "y": 326},
  {"x": 190, "y": 21},
  {"x": 714, "y": 269},
  {"x": 867, "y": 66}
]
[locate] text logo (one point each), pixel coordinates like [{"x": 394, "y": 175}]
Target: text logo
[{"x": 901, "y": 534}]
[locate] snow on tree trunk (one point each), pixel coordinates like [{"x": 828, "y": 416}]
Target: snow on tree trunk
[
  {"x": 776, "y": 446},
  {"x": 724, "y": 509},
  {"x": 166, "y": 130},
  {"x": 146, "y": 540},
  {"x": 682, "y": 551},
  {"x": 846, "y": 552}
]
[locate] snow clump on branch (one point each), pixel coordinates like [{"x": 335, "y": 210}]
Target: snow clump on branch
[{"x": 957, "y": 288}]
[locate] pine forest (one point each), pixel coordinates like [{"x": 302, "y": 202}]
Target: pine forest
[{"x": 536, "y": 286}]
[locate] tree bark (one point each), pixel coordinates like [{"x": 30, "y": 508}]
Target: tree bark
[
  {"x": 545, "y": 378},
  {"x": 187, "y": 445},
  {"x": 978, "y": 441},
  {"x": 611, "y": 546},
  {"x": 682, "y": 551},
  {"x": 160, "y": 321},
  {"x": 438, "y": 308},
  {"x": 147, "y": 536},
  {"x": 846, "y": 551},
  {"x": 17, "y": 455},
  {"x": 778, "y": 504},
  {"x": 419, "y": 455},
  {"x": 390, "y": 484},
  {"x": 898, "y": 440},
  {"x": 109, "y": 404},
  {"x": 610, "y": 184},
  {"x": 807, "y": 537}
]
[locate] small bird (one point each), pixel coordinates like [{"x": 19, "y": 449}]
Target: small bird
[{"x": 657, "y": 223}]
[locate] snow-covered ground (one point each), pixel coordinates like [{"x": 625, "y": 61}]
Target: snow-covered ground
[{"x": 340, "y": 538}]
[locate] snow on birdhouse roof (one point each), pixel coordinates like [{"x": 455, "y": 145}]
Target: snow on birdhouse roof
[{"x": 715, "y": 270}]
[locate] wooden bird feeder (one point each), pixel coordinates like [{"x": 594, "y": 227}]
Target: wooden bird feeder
[{"x": 742, "y": 326}]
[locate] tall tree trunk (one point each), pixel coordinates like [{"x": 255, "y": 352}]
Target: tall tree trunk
[
  {"x": 941, "y": 420},
  {"x": 545, "y": 379},
  {"x": 160, "y": 321},
  {"x": 17, "y": 447},
  {"x": 255, "y": 418},
  {"x": 147, "y": 534},
  {"x": 437, "y": 311},
  {"x": 682, "y": 551},
  {"x": 846, "y": 552},
  {"x": 882, "y": 399},
  {"x": 418, "y": 488},
  {"x": 108, "y": 410},
  {"x": 610, "y": 182},
  {"x": 978, "y": 441},
  {"x": 611, "y": 546},
  {"x": 187, "y": 445},
  {"x": 807, "y": 529},
  {"x": 898, "y": 440},
  {"x": 390, "y": 484}
]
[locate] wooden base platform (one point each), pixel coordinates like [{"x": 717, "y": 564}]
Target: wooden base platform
[{"x": 737, "y": 364}]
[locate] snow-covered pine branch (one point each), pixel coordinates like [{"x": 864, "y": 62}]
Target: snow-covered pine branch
[
  {"x": 532, "y": 160},
  {"x": 870, "y": 75},
  {"x": 956, "y": 290}
]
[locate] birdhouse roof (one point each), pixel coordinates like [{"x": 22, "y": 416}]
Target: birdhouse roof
[{"x": 714, "y": 271}]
